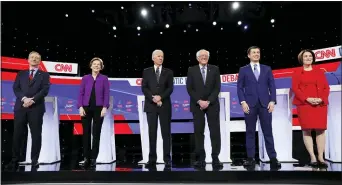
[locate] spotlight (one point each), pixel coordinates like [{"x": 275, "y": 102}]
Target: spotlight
[
  {"x": 122, "y": 7},
  {"x": 272, "y": 20},
  {"x": 214, "y": 23},
  {"x": 66, "y": 15},
  {"x": 138, "y": 28},
  {"x": 239, "y": 22},
  {"x": 235, "y": 5},
  {"x": 114, "y": 27},
  {"x": 161, "y": 33},
  {"x": 245, "y": 27},
  {"x": 143, "y": 12},
  {"x": 167, "y": 26}
]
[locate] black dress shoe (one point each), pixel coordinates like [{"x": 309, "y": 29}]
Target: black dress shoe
[
  {"x": 86, "y": 163},
  {"x": 274, "y": 163},
  {"x": 217, "y": 164},
  {"x": 199, "y": 164},
  {"x": 12, "y": 166},
  {"x": 151, "y": 164},
  {"x": 313, "y": 164},
  {"x": 250, "y": 162},
  {"x": 93, "y": 162},
  {"x": 322, "y": 165}
]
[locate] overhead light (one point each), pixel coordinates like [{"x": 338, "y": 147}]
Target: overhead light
[
  {"x": 167, "y": 26},
  {"x": 214, "y": 23},
  {"x": 114, "y": 27},
  {"x": 196, "y": 29},
  {"x": 245, "y": 27},
  {"x": 272, "y": 20},
  {"x": 235, "y": 5},
  {"x": 222, "y": 28},
  {"x": 184, "y": 31},
  {"x": 144, "y": 12},
  {"x": 138, "y": 34},
  {"x": 114, "y": 35},
  {"x": 66, "y": 15},
  {"x": 138, "y": 28},
  {"x": 239, "y": 22},
  {"x": 161, "y": 33},
  {"x": 93, "y": 11},
  {"x": 152, "y": 5},
  {"x": 122, "y": 7}
]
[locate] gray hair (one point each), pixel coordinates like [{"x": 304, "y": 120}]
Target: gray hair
[
  {"x": 155, "y": 52},
  {"x": 198, "y": 53}
]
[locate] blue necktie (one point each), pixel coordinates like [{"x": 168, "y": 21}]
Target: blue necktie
[
  {"x": 256, "y": 72},
  {"x": 203, "y": 74}
]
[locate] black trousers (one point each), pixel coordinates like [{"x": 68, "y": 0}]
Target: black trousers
[
  {"x": 165, "y": 127},
  {"x": 35, "y": 120},
  {"x": 93, "y": 114},
  {"x": 213, "y": 117}
]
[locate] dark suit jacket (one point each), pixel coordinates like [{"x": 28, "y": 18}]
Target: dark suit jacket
[
  {"x": 37, "y": 89},
  {"x": 150, "y": 87},
  {"x": 251, "y": 90},
  {"x": 200, "y": 91}
]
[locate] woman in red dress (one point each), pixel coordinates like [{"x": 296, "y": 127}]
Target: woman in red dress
[{"x": 311, "y": 90}]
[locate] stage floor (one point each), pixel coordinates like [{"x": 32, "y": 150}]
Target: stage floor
[{"x": 120, "y": 173}]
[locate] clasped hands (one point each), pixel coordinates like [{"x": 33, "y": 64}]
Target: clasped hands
[
  {"x": 157, "y": 99},
  {"x": 28, "y": 102},
  {"x": 245, "y": 107},
  {"x": 314, "y": 101},
  {"x": 203, "y": 104}
]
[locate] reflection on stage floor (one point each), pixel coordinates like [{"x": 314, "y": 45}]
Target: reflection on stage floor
[{"x": 129, "y": 167}]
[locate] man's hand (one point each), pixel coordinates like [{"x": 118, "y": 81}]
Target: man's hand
[
  {"x": 160, "y": 103},
  {"x": 103, "y": 111},
  {"x": 203, "y": 104},
  {"x": 156, "y": 98},
  {"x": 245, "y": 107},
  {"x": 28, "y": 102},
  {"x": 270, "y": 107}
]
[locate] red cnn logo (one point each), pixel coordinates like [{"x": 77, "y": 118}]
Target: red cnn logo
[
  {"x": 63, "y": 67},
  {"x": 325, "y": 54}
]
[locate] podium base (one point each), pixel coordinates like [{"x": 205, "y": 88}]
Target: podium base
[
  {"x": 40, "y": 162},
  {"x": 100, "y": 162},
  {"x": 145, "y": 162},
  {"x": 291, "y": 160}
]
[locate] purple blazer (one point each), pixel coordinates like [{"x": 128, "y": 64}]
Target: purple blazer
[{"x": 101, "y": 90}]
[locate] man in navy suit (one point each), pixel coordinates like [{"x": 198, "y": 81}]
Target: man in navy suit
[
  {"x": 257, "y": 95},
  {"x": 30, "y": 87}
]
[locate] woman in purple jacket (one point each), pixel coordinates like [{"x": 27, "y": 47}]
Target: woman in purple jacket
[{"x": 93, "y": 102}]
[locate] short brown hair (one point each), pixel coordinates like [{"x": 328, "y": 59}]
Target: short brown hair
[
  {"x": 300, "y": 56},
  {"x": 96, "y": 58},
  {"x": 252, "y": 47}
]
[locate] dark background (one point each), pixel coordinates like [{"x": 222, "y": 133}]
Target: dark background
[{"x": 88, "y": 31}]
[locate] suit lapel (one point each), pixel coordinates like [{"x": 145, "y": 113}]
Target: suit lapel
[
  {"x": 249, "y": 68},
  {"x": 162, "y": 74},
  {"x": 34, "y": 78}
]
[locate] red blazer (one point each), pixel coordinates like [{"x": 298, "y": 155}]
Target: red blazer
[{"x": 322, "y": 87}]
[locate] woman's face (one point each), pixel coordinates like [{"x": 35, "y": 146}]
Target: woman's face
[
  {"x": 96, "y": 66},
  {"x": 307, "y": 58}
]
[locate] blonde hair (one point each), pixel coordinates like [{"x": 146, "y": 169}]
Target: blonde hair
[{"x": 96, "y": 58}]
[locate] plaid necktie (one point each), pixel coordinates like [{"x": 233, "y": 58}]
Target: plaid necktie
[
  {"x": 31, "y": 74},
  {"x": 256, "y": 71},
  {"x": 157, "y": 74}
]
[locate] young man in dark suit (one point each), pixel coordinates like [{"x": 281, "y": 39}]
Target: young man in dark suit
[
  {"x": 157, "y": 86},
  {"x": 204, "y": 85},
  {"x": 257, "y": 94},
  {"x": 30, "y": 87}
]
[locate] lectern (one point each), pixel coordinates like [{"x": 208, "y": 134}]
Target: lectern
[
  {"x": 281, "y": 128},
  {"x": 50, "y": 148},
  {"x": 333, "y": 133},
  {"x": 224, "y": 98}
]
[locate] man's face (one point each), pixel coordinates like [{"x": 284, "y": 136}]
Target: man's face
[
  {"x": 34, "y": 59},
  {"x": 158, "y": 58},
  {"x": 254, "y": 55},
  {"x": 203, "y": 57}
]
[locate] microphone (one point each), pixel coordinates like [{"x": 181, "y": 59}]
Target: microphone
[{"x": 338, "y": 80}]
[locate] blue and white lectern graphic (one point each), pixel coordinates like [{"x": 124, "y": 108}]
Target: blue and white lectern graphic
[
  {"x": 50, "y": 148},
  {"x": 281, "y": 128},
  {"x": 333, "y": 133}
]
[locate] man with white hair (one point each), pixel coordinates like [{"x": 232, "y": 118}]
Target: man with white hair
[
  {"x": 204, "y": 85},
  {"x": 157, "y": 86}
]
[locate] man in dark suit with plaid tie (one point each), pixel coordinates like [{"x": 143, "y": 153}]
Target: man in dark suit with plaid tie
[
  {"x": 157, "y": 86},
  {"x": 204, "y": 85},
  {"x": 30, "y": 87}
]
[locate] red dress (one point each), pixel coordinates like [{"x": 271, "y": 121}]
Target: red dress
[{"x": 311, "y": 84}]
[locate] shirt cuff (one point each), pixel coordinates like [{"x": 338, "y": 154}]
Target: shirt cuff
[{"x": 22, "y": 99}]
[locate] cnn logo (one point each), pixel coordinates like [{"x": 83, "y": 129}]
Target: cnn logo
[{"x": 63, "y": 67}]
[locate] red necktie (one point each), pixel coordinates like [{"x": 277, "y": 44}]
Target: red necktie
[{"x": 31, "y": 74}]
